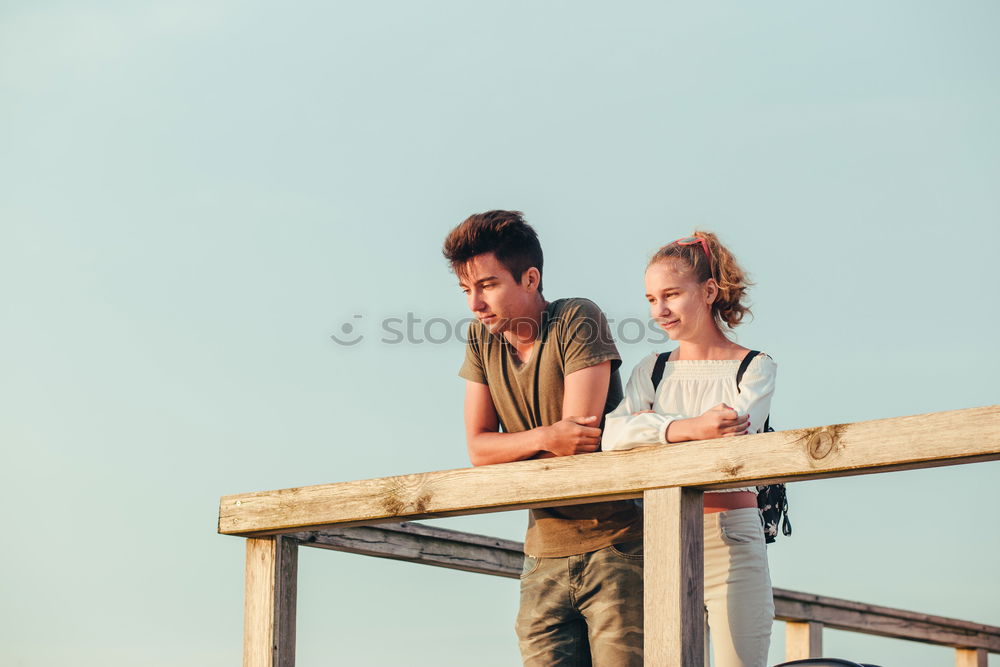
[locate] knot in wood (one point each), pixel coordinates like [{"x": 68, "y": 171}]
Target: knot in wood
[
  {"x": 405, "y": 495},
  {"x": 730, "y": 468},
  {"x": 820, "y": 444}
]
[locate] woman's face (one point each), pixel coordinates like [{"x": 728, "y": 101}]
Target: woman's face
[{"x": 678, "y": 302}]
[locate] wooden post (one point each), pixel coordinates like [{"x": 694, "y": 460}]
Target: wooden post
[
  {"x": 803, "y": 640},
  {"x": 269, "y": 605},
  {"x": 674, "y": 580},
  {"x": 970, "y": 657}
]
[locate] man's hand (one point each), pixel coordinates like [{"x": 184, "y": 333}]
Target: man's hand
[{"x": 572, "y": 435}]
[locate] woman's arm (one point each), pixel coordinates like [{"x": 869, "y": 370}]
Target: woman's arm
[
  {"x": 747, "y": 414},
  {"x": 756, "y": 390},
  {"x": 718, "y": 421},
  {"x": 633, "y": 423}
]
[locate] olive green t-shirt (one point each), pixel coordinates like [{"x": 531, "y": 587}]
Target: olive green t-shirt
[{"x": 574, "y": 335}]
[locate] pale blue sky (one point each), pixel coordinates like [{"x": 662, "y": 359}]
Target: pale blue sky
[{"x": 198, "y": 194}]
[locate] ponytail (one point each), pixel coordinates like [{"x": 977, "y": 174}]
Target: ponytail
[{"x": 729, "y": 308}]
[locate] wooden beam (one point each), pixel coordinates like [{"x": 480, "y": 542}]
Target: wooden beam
[
  {"x": 902, "y": 443},
  {"x": 884, "y": 621},
  {"x": 429, "y": 545},
  {"x": 803, "y": 640},
  {"x": 673, "y": 578},
  {"x": 269, "y": 602},
  {"x": 970, "y": 657}
]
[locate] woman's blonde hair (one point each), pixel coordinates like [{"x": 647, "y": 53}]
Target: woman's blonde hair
[{"x": 729, "y": 308}]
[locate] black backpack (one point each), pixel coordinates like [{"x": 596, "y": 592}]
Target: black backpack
[{"x": 772, "y": 501}]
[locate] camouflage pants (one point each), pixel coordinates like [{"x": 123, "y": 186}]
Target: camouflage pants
[{"x": 583, "y": 610}]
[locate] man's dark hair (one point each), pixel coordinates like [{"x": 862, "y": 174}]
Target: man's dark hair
[{"x": 504, "y": 233}]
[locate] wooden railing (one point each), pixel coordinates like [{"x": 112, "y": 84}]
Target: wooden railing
[{"x": 671, "y": 480}]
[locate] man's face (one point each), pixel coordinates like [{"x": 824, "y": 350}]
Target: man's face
[{"x": 496, "y": 299}]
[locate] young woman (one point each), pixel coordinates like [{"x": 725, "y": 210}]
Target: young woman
[{"x": 696, "y": 293}]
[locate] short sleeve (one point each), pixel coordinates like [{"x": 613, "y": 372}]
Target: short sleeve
[
  {"x": 586, "y": 337},
  {"x": 473, "y": 368}
]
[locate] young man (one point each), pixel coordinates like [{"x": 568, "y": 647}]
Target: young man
[{"x": 546, "y": 374}]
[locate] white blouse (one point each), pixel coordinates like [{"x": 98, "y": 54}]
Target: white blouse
[{"x": 688, "y": 389}]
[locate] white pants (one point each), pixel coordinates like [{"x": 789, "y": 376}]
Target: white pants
[{"x": 738, "y": 597}]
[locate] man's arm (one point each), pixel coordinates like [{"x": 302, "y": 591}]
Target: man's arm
[
  {"x": 486, "y": 444},
  {"x": 586, "y": 391},
  {"x": 572, "y": 435}
]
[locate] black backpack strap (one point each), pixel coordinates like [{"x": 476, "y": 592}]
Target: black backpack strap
[
  {"x": 743, "y": 367},
  {"x": 739, "y": 378},
  {"x": 661, "y": 363},
  {"x": 772, "y": 500}
]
